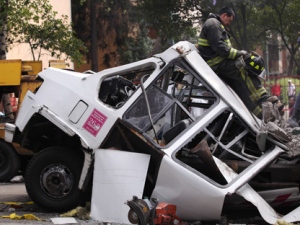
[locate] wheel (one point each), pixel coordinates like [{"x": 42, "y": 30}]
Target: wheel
[
  {"x": 9, "y": 162},
  {"x": 52, "y": 178}
]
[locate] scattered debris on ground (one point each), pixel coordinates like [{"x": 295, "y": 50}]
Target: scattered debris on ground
[
  {"x": 280, "y": 129},
  {"x": 82, "y": 213}
]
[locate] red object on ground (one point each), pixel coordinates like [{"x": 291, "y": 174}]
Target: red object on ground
[{"x": 165, "y": 213}]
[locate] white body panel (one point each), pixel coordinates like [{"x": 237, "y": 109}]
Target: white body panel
[{"x": 71, "y": 102}]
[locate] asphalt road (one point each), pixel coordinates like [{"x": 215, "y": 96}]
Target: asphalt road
[{"x": 14, "y": 199}]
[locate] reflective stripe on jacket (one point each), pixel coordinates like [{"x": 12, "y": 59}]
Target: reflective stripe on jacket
[{"x": 214, "y": 43}]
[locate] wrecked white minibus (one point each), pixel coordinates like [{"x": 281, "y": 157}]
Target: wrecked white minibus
[{"x": 207, "y": 151}]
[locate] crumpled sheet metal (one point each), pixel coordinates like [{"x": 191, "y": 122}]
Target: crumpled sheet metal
[
  {"x": 277, "y": 127},
  {"x": 246, "y": 191}
]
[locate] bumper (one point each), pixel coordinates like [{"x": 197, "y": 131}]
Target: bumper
[{"x": 9, "y": 132}]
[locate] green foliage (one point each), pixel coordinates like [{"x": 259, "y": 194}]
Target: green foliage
[
  {"x": 34, "y": 22},
  {"x": 101, "y": 25},
  {"x": 178, "y": 20},
  {"x": 245, "y": 31},
  {"x": 258, "y": 22},
  {"x": 280, "y": 17},
  {"x": 248, "y": 30},
  {"x": 173, "y": 19},
  {"x": 3, "y": 28},
  {"x": 136, "y": 48}
]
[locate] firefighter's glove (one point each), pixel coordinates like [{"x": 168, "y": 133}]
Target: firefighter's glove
[{"x": 241, "y": 53}]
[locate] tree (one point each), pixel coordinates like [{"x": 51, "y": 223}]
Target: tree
[
  {"x": 172, "y": 20},
  {"x": 102, "y": 25},
  {"x": 279, "y": 16},
  {"x": 25, "y": 21},
  {"x": 256, "y": 20},
  {"x": 3, "y": 28},
  {"x": 136, "y": 47},
  {"x": 248, "y": 31},
  {"x": 4, "y": 97},
  {"x": 245, "y": 31},
  {"x": 112, "y": 30},
  {"x": 138, "y": 44},
  {"x": 34, "y": 22}
]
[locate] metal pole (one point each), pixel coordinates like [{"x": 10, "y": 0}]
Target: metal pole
[
  {"x": 267, "y": 58},
  {"x": 268, "y": 36}
]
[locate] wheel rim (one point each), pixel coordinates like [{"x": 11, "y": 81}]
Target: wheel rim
[{"x": 57, "y": 181}]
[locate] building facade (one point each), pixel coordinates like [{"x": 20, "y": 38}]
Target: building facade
[{"x": 23, "y": 52}]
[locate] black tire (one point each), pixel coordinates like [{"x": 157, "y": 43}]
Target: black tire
[
  {"x": 9, "y": 161},
  {"x": 52, "y": 178}
]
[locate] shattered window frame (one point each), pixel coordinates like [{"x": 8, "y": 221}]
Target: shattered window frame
[
  {"x": 230, "y": 144},
  {"x": 192, "y": 90},
  {"x": 117, "y": 88}
]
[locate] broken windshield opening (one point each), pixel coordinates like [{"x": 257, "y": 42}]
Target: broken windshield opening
[
  {"x": 176, "y": 99},
  {"x": 116, "y": 89}
]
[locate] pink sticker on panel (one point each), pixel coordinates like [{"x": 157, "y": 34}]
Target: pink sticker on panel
[{"x": 94, "y": 123}]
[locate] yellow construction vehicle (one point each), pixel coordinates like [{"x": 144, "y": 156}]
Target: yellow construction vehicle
[{"x": 16, "y": 78}]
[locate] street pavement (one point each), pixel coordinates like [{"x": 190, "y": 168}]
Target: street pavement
[{"x": 14, "y": 199}]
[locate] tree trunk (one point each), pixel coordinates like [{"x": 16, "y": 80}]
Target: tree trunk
[
  {"x": 293, "y": 61},
  {"x": 290, "y": 67},
  {"x": 156, "y": 48},
  {"x": 5, "y": 97},
  {"x": 94, "y": 37},
  {"x": 3, "y": 29},
  {"x": 2, "y": 41}
]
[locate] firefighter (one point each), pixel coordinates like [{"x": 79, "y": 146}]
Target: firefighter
[{"x": 215, "y": 48}]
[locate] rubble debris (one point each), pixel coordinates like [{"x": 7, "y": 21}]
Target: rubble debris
[
  {"x": 66, "y": 220},
  {"x": 13, "y": 206},
  {"x": 145, "y": 211},
  {"x": 82, "y": 213},
  {"x": 277, "y": 132},
  {"x": 17, "y": 179},
  {"x": 14, "y": 216},
  {"x": 275, "y": 125},
  {"x": 282, "y": 222}
]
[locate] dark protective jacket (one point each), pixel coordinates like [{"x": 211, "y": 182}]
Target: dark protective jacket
[
  {"x": 215, "y": 48},
  {"x": 214, "y": 42}
]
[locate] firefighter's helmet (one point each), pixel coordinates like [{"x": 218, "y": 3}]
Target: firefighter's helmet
[{"x": 255, "y": 65}]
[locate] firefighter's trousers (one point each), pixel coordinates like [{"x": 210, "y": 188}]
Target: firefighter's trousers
[{"x": 247, "y": 87}]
